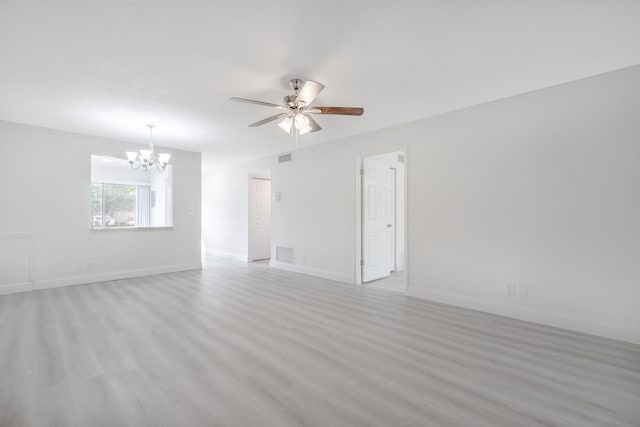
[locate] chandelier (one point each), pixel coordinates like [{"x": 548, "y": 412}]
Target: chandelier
[{"x": 147, "y": 158}]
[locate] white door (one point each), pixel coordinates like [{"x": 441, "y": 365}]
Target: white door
[
  {"x": 259, "y": 219},
  {"x": 377, "y": 220}
]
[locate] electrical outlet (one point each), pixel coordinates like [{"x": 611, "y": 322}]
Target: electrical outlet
[
  {"x": 510, "y": 290},
  {"x": 89, "y": 265}
]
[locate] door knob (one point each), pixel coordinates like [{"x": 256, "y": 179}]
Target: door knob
[{"x": 389, "y": 225}]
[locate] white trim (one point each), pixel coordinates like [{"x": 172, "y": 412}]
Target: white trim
[
  {"x": 14, "y": 288},
  {"x": 120, "y": 182},
  {"x": 116, "y": 275},
  {"x": 358, "y": 222},
  {"x": 558, "y": 320},
  {"x": 133, "y": 227},
  {"x": 15, "y": 235},
  {"x": 224, "y": 254},
  {"x": 325, "y": 274}
]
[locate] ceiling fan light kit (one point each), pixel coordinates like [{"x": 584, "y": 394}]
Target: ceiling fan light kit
[{"x": 297, "y": 108}]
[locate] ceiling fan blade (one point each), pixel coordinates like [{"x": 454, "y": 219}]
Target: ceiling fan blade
[
  {"x": 309, "y": 91},
  {"x": 268, "y": 119},
  {"x": 345, "y": 111},
  {"x": 253, "y": 101},
  {"x": 315, "y": 127}
]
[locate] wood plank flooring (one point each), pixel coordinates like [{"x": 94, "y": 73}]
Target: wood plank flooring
[
  {"x": 396, "y": 282},
  {"x": 243, "y": 345}
]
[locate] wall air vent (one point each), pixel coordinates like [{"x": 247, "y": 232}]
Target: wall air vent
[
  {"x": 284, "y": 254},
  {"x": 284, "y": 158},
  {"x": 401, "y": 158}
]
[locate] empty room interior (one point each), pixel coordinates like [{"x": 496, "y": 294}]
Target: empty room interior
[{"x": 408, "y": 213}]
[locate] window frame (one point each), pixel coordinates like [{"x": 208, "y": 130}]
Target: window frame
[{"x": 102, "y": 184}]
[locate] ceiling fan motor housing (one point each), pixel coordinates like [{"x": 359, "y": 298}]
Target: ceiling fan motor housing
[{"x": 290, "y": 100}]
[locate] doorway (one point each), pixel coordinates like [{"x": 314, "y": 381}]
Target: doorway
[
  {"x": 382, "y": 220},
  {"x": 259, "y": 244}
]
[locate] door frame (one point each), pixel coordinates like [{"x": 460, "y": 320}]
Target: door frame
[
  {"x": 265, "y": 176},
  {"x": 358, "y": 202},
  {"x": 395, "y": 218}
]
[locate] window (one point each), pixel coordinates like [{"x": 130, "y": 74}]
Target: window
[
  {"x": 122, "y": 197},
  {"x": 119, "y": 205}
]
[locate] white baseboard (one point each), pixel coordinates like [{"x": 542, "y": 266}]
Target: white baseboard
[
  {"x": 116, "y": 275},
  {"x": 230, "y": 255},
  {"x": 14, "y": 288},
  {"x": 558, "y": 320},
  {"x": 331, "y": 275}
]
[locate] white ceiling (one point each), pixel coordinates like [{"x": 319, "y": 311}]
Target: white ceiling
[{"x": 106, "y": 68}]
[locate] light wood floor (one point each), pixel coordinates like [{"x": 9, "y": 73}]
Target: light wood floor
[
  {"x": 242, "y": 345},
  {"x": 395, "y": 282}
]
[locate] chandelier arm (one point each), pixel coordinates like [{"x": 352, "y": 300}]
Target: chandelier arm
[{"x": 147, "y": 158}]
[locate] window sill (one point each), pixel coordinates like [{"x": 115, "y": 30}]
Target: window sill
[{"x": 109, "y": 229}]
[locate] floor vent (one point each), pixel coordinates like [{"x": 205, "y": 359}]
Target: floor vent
[
  {"x": 284, "y": 158},
  {"x": 284, "y": 254}
]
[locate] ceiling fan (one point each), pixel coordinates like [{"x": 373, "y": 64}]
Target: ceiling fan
[{"x": 297, "y": 108}]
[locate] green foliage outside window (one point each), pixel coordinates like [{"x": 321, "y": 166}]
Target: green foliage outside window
[{"x": 113, "y": 205}]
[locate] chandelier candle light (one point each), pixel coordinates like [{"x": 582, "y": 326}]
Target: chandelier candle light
[{"x": 146, "y": 158}]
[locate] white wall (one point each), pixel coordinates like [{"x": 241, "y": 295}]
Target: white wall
[
  {"x": 540, "y": 190},
  {"x": 45, "y": 189},
  {"x": 225, "y": 207},
  {"x": 161, "y": 184},
  {"x": 111, "y": 172}
]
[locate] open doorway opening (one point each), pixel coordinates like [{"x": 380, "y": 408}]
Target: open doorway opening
[
  {"x": 259, "y": 245},
  {"x": 382, "y": 221}
]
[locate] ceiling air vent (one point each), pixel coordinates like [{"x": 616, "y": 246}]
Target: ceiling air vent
[{"x": 284, "y": 158}]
